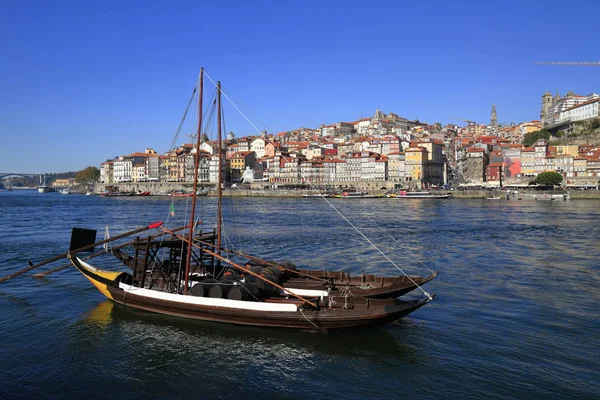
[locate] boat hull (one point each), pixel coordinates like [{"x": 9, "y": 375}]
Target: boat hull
[{"x": 277, "y": 312}]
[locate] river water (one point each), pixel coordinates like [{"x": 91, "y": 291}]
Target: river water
[{"x": 517, "y": 312}]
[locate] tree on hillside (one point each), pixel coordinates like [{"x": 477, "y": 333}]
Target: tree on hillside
[
  {"x": 549, "y": 178},
  {"x": 532, "y": 137},
  {"x": 88, "y": 175}
]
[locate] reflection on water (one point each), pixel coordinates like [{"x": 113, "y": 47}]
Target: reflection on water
[
  {"x": 185, "y": 336},
  {"x": 144, "y": 346}
]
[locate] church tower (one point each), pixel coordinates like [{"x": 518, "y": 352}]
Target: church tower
[
  {"x": 494, "y": 118},
  {"x": 547, "y": 102}
]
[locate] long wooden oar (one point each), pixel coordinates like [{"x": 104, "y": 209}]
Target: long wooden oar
[
  {"x": 260, "y": 260},
  {"x": 84, "y": 248},
  {"x": 99, "y": 253},
  {"x": 246, "y": 270}
]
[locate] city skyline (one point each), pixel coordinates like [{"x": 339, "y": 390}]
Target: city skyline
[{"x": 83, "y": 83}]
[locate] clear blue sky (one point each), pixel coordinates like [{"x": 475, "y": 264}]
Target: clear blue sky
[{"x": 83, "y": 81}]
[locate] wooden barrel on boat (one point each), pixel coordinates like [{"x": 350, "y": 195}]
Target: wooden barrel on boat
[
  {"x": 206, "y": 285},
  {"x": 256, "y": 269},
  {"x": 239, "y": 292},
  {"x": 274, "y": 273},
  {"x": 266, "y": 289},
  {"x": 218, "y": 291},
  {"x": 197, "y": 290},
  {"x": 287, "y": 265}
]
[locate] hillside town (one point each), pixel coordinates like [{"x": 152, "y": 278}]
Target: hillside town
[{"x": 387, "y": 149}]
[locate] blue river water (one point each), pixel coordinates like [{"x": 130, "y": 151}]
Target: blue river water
[{"x": 517, "y": 312}]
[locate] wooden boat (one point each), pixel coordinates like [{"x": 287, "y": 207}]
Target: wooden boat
[
  {"x": 418, "y": 195},
  {"x": 317, "y": 195},
  {"x": 187, "y": 276}
]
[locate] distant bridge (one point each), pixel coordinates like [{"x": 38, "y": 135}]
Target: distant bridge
[{"x": 4, "y": 175}]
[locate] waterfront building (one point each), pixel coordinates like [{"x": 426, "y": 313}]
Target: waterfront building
[
  {"x": 285, "y": 169},
  {"x": 123, "y": 166},
  {"x": 365, "y": 166},
  {"x": 61, "y": 183},
  {"x": 579, "y": 167},
  {"x": 435, "y": 161},
  {"x": 474, "y": 165},
  {"x": 564, "y": 164},
  {"x": 541, "y": 149},
  {"x": 213, "y": 168},
  {"x": 122, "y": 170},
  {"x": 258, "y": 147},
  {"x": 151, "y": 168},
  {"x": 106, "y": 173},
  {"x": 416, "y": 164},
  {"x": 138, "y": 173},
  {"x": 397, "y": 167},
  {"x": 311, "y": 172},
  {"x": 593, "y": 166},
  {"x": 494, "y": 172},
  {"x": 239, "y": 162},
  {"x": 511, "y": 157},
  {"x": 171, "y": 166},
  {"x": 528, "y": 161}
]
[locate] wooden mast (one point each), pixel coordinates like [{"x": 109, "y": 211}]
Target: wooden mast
[
  {"x": 220, "y": 173},
  {"x": 195, "y": 193}
]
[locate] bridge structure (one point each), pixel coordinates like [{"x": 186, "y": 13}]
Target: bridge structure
[{"x": 6, "y": 175}]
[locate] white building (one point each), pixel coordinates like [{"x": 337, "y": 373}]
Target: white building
[
  {"x": 122, "y": 170},
  {"x": 258, "y": 147},
  {"x": 585, "y": 110}
]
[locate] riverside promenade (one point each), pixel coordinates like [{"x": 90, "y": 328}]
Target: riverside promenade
[{"x": 524, "y": 194}]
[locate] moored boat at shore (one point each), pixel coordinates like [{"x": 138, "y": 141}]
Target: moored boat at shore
[{"x": 402, "y": 194}]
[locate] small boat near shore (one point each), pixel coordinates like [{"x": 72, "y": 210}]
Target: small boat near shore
[{"x": 417, "y": 195}]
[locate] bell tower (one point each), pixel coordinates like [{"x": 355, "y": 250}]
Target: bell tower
[{"x": 547, "y": 102}]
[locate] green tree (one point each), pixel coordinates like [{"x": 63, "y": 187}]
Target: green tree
[
  {"x": 549, "y": 178},
  {"x": 532, "y": 137},
  {"x": 88, "y": 175}
]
